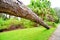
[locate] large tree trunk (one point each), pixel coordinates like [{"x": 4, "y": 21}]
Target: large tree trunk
[{"x": 17, "y": 8}]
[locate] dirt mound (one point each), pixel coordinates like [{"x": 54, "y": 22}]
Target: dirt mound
[{"x": 12, "y": 27}]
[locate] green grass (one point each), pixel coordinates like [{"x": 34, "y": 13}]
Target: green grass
[{"x": 27, "y": 34}]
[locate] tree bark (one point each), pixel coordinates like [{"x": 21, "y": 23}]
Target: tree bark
[{"x": 17, "y": 8}]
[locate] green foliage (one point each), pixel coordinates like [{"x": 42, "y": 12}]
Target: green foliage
[
  {"x": 52, "y": 24},
  {"x": 39, "y": 6},
  {"x": 1, "y": 23},
  {"x": 7, "y": 23},
  {"x": 42, "y": 8},
  {"x": 26, "y": 23},
  {"x": 12, "y": 21}
]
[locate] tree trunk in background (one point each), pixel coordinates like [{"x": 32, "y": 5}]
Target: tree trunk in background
[{"x": 17, "y": 8}]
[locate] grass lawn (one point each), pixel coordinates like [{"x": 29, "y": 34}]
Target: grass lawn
[{"x": 27, "y": 34}]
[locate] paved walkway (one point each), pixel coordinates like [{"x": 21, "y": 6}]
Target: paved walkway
[{"x": 56, "y": 34}]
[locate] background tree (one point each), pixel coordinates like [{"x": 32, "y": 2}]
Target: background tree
[{"x": 43, "y": 9}]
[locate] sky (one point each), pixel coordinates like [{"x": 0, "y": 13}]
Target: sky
[
  {"x": 26, "y": 2},
  {"x": 54, "y": 3}
]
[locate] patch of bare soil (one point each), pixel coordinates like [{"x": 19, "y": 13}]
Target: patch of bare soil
[{"x": 12, "y": 27}]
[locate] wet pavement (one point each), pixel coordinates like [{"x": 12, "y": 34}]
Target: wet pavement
[{"x": 56, "y": 34}]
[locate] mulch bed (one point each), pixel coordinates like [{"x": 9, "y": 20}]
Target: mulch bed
[{"x": 12, "y": 27}]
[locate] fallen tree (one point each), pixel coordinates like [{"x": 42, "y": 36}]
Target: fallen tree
[{"x": 17, "y": 8}]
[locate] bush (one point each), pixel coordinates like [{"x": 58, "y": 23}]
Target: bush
[
  {"x": 27, "y": 23},
  {"x": 7, "y": 23}
]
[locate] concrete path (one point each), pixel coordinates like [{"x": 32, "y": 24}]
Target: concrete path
[{"x": 56, "y": 34}]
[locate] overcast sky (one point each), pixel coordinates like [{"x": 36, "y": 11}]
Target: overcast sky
[
  {"x": 26, "y": 2},
  {"x": 54, "y": 3}
]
